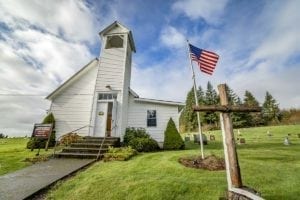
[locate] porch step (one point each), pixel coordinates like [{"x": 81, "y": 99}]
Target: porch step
[
  {"x": 88, "y": 147},
  {"x": 84, "y": 150},
  {"x": 77, "y": 155}
]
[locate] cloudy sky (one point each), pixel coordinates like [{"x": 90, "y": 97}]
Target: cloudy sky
[{"x": 42, "y": 43}]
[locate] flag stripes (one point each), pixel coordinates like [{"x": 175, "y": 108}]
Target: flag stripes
[{"x": 206, "y": 60}]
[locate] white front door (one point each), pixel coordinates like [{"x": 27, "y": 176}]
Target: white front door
[{"x": 101, "y": 118}]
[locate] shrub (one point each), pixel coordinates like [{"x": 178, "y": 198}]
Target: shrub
[
  {"x": 132, "y": 133},
  {"x": 69, "y": 138},
  {"x": 121, "y": 154},
  {"x": 172, "y": 139},
  {"x": 138, "y": 139},
  {"x": 49, "y": 119},
  {"x": 34, "y": 143},
  {"x": 144, "y": 144}
]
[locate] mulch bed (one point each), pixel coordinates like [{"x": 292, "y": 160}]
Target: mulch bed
[{"x": 211, "y": 163}]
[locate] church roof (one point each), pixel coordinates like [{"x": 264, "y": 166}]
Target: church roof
[
  {"x": 68, "y": 81},
  {"x": 156, "y": 101}
]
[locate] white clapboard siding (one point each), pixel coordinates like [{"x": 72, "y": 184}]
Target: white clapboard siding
[
  {"x": 137, "y": 117},
  {"x": 127, "y": 74},
  {"x": 72, "y": 107},
  {"x": 111, "y": 69}
]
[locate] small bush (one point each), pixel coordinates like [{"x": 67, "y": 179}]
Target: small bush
[
  {"x": 172, "y": 139},
  {"x": 69, "y": 138},
  {"x": 138, "y": 139},
  {"x": 132, "y": 133},
  {"x": 49, "y": 119},
  {"x": 144, "y": 144},
  {"x": 121, "y": 154},
  {"x": 34, "y": 143}
]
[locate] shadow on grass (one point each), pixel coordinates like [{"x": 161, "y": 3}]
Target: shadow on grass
[{"x": 213, "y": 145}]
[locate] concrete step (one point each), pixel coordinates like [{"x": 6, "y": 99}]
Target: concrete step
[
  {"x": 97, "y": 141},
  {"x": 84, "y": 150},
  {"x": 77, "y": 155},
  {"x": 89, "y": 145}
]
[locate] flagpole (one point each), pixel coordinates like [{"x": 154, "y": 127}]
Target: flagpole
[{"x": 196, "y": 99}]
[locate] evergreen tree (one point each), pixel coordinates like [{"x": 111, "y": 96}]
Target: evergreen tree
[
  {"x": 201, "y": 96},
  {"x": 172, "y": 138},
  {"x": 253, "y": 119},
  {"x": 190, "y": 117},
  {"x": 239, "y": 119},
  {"x": 211, "y": 98},
  {"x": 271, "y": 112}
]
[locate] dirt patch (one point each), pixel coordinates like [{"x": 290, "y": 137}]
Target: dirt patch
[
  {"x": 36, "y": 159},
  {"x": 212, "y": 163}
]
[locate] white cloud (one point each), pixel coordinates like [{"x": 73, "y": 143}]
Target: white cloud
[
  {"x": 171, "y": 37},
  {"x": 73, "y": 19},
  {"x": 166, "y": 80},
  {"x": 210, "y": 11},
  {"x": 45, "y": 43}
]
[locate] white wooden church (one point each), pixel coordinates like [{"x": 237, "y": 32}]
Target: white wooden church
[{"x": 98, "y": 100}]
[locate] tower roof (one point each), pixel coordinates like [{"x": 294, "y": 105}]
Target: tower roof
[{"x": 117, "y": 28}]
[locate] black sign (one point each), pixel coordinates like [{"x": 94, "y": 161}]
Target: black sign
[{"x": 42, "y": 131}]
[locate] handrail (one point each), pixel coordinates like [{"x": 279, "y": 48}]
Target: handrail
[
  {"x": 100, "y": 148},
  {"x": 56, "y": 141}
]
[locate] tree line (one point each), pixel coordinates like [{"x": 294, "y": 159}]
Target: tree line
[{"x": 270, "y": 113}]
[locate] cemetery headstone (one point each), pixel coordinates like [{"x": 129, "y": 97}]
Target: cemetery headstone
[
  {"x": 212, "y": 138},
  {"x": 197, "y": 139},
  {"x": 242, "y": 141},
  {"x": 286, "y": 141}
]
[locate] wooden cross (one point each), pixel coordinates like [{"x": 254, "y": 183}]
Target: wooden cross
[{"x": 232, "y": 164}]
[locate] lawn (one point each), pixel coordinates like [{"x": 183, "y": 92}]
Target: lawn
[
  {"x": 13, "y": 152},
  {"x": 266, "y": 165}
]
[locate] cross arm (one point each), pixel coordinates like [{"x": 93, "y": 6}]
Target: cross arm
[{"x": 228, "y": 108}]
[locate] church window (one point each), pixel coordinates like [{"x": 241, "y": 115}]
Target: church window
[
  {"x": 107, "y": 96},
  {"x": 151, "y": 118},
  {"x": 114, "y": 41}
]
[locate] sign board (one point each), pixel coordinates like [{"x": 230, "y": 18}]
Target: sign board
[{"x": 42, "y": 131}]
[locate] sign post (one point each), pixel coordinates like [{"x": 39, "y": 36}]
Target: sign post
[{"x": 42, "y": 132}]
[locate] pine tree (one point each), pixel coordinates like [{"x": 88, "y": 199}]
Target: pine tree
[
  {"x": 253, "y": 119},
  {"x": 239, "y": 119},
  {"x": 211, "y": 98},
  {"x": 271, "y": 110},
  {"x": 172, "y": 138},
  {"x": 190, "y": 117}
]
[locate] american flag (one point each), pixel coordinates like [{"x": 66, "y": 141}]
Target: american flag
[{"x": 206, "y": 60}]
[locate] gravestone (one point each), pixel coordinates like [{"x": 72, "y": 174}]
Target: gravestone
[
  {"x": 242, "y": 141},
  {"x": 212, "y": 138},
  {"x": 197, "y": 138},
  {"x": 286, "y": 141}
]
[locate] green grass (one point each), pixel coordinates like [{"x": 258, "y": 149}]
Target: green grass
[
  {"x": 266, "y": 165},
  {"x": 13, "y": 152}
]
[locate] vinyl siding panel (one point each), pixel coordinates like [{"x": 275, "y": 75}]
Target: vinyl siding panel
[
  {"x": 137, "y": 117},
  {"x": 72, "y": 107}
]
